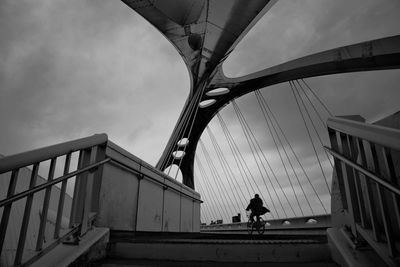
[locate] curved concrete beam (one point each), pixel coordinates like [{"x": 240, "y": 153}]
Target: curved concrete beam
[
  {"x": 366, "y": 56},
  {"x": 203, "y": 32},
  {"x": 378, "y": 54}
]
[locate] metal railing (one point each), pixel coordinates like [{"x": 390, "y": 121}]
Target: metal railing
[
  {"x": 367, "y": 167},
  {"x": 91, "y": 157}
]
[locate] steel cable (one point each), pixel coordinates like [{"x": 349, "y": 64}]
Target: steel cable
[
  {"x": 309, "y": 135},
  {"x": 292, "y": 150}
]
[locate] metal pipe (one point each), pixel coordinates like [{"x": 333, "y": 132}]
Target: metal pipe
[
  {"x": 48, "y": 184},
  {"x": 384, "y": 136},
  {"x": 367, "y": 173}
]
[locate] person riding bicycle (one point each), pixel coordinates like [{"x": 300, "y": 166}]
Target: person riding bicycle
[{"x": 256, "y": 207}]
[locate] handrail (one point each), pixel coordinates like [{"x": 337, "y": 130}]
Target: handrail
[
  {"x": 50, "y": 183},
  {"x": 367, "y": 173},
  {"x": 377, "y": 134},
  {"x": 373, "y": 160},
  {"x": 37, "y": 155}
]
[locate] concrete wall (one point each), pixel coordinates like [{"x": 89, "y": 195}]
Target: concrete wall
[{"x": 135, "y": 196}]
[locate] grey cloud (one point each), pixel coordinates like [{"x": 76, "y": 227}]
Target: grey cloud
[{"x": 74, "y": 68}]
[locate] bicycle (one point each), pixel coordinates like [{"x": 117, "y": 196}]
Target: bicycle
[{"x": 258, "y": 226}]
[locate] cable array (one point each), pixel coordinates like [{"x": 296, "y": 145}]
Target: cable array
[{"x": 234, "y": 182}]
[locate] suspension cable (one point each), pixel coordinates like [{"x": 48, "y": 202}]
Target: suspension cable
[
  {"x": 251, "y": 144},
  {"x": 213, "y": 201},
  {"x": 191, "y": 125},
  {"x": 252, "y": 141},
  {"x": 241, "y": 163},
  {"x": 312, "y": 123},
  {"x": 225, "y": 167},
  {"x": 309, "y": 135},
  {"x": 206, "y": 212},
  {"x": 179, "y": 135},
  {"x": 216, "y": 179},
  {"x": 316, "y": 96},
  {"x": 292, "y": 150},
  {"x": 207, "y": 192},
  {"x": 270, "y": 125},
  {"x": 268, "y": 177},
  {"x": 224, "y": 171},
  {"x": 246, "y": 167},
  {"x": 312, "y": 104},
  {"x": 217, "y": 201},
  {"x": 235, "y": 152}
]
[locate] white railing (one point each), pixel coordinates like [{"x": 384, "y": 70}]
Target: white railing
[
  {"x": 368, "y": 179},
  {"x": 91, "y": 158}
]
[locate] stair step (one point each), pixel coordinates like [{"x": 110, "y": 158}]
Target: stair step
[
  {"x": 166, "y": 263},
  {"x": 174, "y": 249}
]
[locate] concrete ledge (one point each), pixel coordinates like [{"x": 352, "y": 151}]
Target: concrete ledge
[
  {"x": 227, "y": 251},
  {"x": 92, "y": 246}
]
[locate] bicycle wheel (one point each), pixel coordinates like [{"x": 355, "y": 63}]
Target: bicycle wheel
[
  {"x": 250, "y": 226},
  {"x": 261, "y": 226}
]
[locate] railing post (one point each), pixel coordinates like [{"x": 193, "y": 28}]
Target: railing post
[
  {"x": 62, "y": 197},
  {"x": 45, "y": 208},
  {"x": 7, "y": 209},
  {"x": 357, "y": 180},
  {"x": 140, "y": 178},
  {"x": 87, "y": 204},
  {"x": 338, "y": 166},
  {"x": 383, "y": 205},
  {"x": 78, "y": 197},
  {"x": 348, "y": 179},
  {"x": 369, "y": 194},
  {"x": 98, "y": 177},
  {"x": 391, "y": 173},
  {"x": 25, "y": 220}
]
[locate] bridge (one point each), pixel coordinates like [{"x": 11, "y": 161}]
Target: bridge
[{"x": 124, "y": 211}]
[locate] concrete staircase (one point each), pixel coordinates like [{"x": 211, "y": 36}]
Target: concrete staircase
[{"x": 198, "y": 249}]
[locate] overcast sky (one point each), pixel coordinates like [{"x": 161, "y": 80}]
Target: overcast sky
[{"x": 69, "y": 69}]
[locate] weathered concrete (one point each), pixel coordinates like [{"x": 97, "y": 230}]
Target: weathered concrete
[
  {"x": 222, "y": 250},
  {"x": 136, "y": 196}
]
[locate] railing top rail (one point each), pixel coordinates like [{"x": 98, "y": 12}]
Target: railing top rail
[
  {"x": 388, "y": 185},
  {"x": 385, "y": 136},
  {"x": 48, "y": 184},
  {"x": 37, "y": 155}
]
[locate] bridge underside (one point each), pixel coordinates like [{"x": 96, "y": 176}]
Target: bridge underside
[{"x": 206, "y": 32}]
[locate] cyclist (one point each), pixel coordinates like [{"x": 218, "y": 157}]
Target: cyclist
[{"x": 256, "y": 207}]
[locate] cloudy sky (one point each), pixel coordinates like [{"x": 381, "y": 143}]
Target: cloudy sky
[{"x": 69, "y": 69}]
